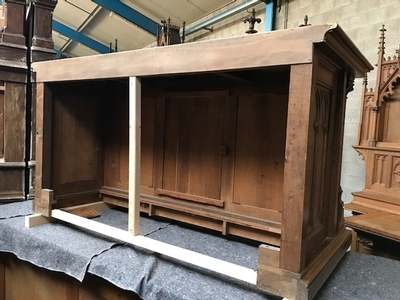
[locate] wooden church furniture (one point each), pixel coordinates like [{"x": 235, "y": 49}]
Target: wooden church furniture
[
  {"x": 244, "y": 145},
  {"x": 376, "y": 208},
  {"x": 16, "y": 91},
  {"x": 13, "y": 78},
  {"x": 168, "y": 34}
]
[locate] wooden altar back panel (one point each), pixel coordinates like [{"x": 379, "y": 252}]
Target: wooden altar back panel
[
  {"x": 76, "y": 167},
  {"x": 210, "y": 145},
  {"x": 259, "y": 158},
  {"x": 193, "y": 145},
  {"x": 116, "y": 144}
]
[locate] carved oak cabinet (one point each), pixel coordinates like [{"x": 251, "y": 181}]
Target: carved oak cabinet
[{"x": 248, "y": 145}]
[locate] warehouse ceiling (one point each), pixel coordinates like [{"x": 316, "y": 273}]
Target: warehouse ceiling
[{"x": 87, "y": 27}]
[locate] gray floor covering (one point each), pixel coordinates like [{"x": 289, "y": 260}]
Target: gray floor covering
[{"x": 73, "y": 251}]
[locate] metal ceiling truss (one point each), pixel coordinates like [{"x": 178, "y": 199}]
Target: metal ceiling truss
[
  {"x": 80, "y": 37},
  {"x": 129, "y": 14},
  {"x": 222, "y": 16}
]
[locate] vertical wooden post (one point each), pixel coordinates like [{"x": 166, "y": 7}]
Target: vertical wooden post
[
  {"x": 294, "y": 212},
  {"x": 134, "y": 154},
  {"x": 43, "y": 148}
]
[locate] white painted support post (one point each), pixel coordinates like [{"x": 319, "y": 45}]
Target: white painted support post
[{"x": 134, "y": 154}]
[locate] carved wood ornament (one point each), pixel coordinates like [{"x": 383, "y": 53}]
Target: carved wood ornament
[{"x": 377, "y": 206}]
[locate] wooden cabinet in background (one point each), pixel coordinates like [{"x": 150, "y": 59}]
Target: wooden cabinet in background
[
  {"x": 377, "y": 207},
  {"x": 16, "y": 162},
  {"x": 247, "y": 145}
]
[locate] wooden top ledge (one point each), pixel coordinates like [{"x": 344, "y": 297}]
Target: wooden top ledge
[{"x": 276, "y": 48}]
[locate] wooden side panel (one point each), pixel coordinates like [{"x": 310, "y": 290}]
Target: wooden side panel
[
  {"x": 24, "y": 281},
  {"x": 75, "y": 155},
  {"x": 325, "y": 139},
  {"x": 14, "y": 120},
  {"x": 12, "y": 140},
  {"x": 193, "y": 145},
  {"x": 11, "y": 182},
  {"x": 292, "y": 254},
  {"x": 260, "y": 145}
]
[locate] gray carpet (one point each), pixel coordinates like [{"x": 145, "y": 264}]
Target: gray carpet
[{"x": 75, "y": 252}]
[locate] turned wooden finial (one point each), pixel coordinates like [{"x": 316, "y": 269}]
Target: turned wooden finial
[
  {"x": 382, "y": 40},
  {"x": 305, "y": 22},
  {"x": 365, "y": 80}
]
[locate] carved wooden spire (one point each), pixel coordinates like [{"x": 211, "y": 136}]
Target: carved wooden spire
[{"x": 381, "y": 59}]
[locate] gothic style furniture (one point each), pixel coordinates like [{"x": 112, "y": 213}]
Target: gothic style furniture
[
  {"x": 377, "y": 206},
  {"x": 13, "y": 78},
  {"x": 168, "y": 34},
  {"x": 247, "y": 145},
  {"x": 16, "y": 92}
]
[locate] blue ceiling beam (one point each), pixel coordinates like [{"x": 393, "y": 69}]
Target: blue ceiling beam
[
  {"x": 129, "y": 14},
  {"x": 60, "y": 54},
  {"x": 80, "y": 37}
]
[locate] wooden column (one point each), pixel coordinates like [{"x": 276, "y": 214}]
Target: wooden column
[
  {"x": 294, "y": 212},
  {"x": 42, "y": 47},
  {"x": 12, "y": 39},
  {"x": 42, "y": 204},
  {"x": 134, "y": 154}
]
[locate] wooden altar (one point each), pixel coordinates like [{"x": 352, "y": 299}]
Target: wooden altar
[
  {"x": 240, "y": 135},
  {"x": 377, "y": 206}
]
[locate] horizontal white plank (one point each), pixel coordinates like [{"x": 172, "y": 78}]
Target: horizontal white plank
[{"x": 194, "y": 258}]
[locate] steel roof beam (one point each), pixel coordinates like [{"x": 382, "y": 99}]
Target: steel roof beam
[
  {"x": 222, "y": 16},
  {"x": 80, "y": 37},
  {"x": 129, "y": 14}
]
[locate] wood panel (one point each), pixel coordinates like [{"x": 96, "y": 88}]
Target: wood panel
[
  {"x": 292, "y": 254},
  {"x": 75, "y": 155},
  {"x": 117, "y": 145},
  {"x": 22, "y": 280},
  {"x": 260, "y": 144},
  {"x": 216, "y": 55},
  {"x": 11, "y": 182},
  {"x": 390, "y": 118},
  {"x": 14, "y": 120},
  {"x": 193, "y": 145}
]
